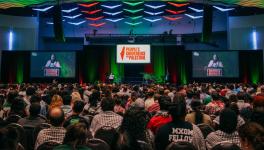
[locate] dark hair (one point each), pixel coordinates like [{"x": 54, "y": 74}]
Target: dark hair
[
  {"x": 67, "y": 99},
  {"x": 215, "y": 96},
  {"x": 178, "y": 108},
  {"x": 189, "y": 94},
  {"x": 11, "y": 96},
  {"x": 234, "y": 107},
  {"x": 8, "y": 138},
  {"x": 56, "y": 120},
  {"x": 134, "y": 126},
  {"x": 233, "y": 98},
  {"x": 241, "y": 95},
  {"x": 34, "y": 109},
  {"x": 181, "y": 146},
  {"x": 78, "y": 106},
  {"x": 35, "y": 99},
  {"x": 107, "y": 104},
  {"x": 94, "y": 98},
  {"x": 150, "y": 93},
  {"x": 18, "y": 107},
  {"x": 164, "y": 101},
  {"x": 30, "y": 91},
  {"x": 196, "y": 107},
  {"x": 253, "y": 133},
  {"x": 75, "y": 132},
  {"x": 228, "y": 121}
]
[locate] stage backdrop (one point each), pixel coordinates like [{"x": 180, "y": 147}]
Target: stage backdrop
[{"x": 94, "y": 63}]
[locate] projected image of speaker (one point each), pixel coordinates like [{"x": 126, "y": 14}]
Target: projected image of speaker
[{"x": 58, "y": 24}]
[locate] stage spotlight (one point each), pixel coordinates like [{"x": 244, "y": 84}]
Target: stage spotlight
[{"x": 131, "y": 39}]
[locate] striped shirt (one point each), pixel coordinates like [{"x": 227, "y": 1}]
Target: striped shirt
[
  {"x": 218, "y": 136},
  {"x": 55, "y": 134}
]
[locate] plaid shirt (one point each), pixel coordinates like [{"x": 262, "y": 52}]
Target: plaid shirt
[
  {"x": 218, "y": 136},
  {"x": 106, "y": 118},
  {"x": 55, "y": 134},
  {"x": 213, "y": 107}
]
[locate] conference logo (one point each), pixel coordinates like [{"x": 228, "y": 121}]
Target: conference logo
[
  {"x": 132, "y": 53},
  {"x": 122, "y": 53}
]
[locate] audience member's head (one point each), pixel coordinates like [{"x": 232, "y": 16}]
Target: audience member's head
[
  {"x": 252, "y": 136},
  {"x": 11, "y": 96},
  {"x": 56, "y": 101},
  {"x": 258, "y": 103},
  {"x": 178, "y": 110},
  {"x": 75, "y": 97},
  {"x": 35, "y": 99},
  {"x": 76, "y": 135},
  {"x": 228, "y": 121},
  {"x": 196, "y": 107},
  {"x": 78, "y": 107},
  {"x": 30, "y": 91},
  {"x": 56, "y": 117},
  {"x": 133, "y": 127},
  {"x": 107, "y": 104},
  {"x": 164, "y": 101},
  {"x": 94, "y": 98},
  {"x": 18, "y": 107},
  {"x": 34, "y": 109},
  {"x": 67, "y": 99},
  {"x": 215, "y": 96}
]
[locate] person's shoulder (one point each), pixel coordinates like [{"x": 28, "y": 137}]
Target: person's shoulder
[{"x": 62, "y": 147}]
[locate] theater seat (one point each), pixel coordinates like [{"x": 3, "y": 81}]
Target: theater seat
[
  {"x": 13, "y": 118},
  {"x": 21, "y": 132},
  {"x": 97, "y": 144},
  {"x": 180, "y": 146},
  {"x": 226, "y": 146},
  {"x": 48, "y": 145}
]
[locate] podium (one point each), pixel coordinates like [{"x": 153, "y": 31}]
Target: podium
[
  {"x": 214, "y": 72},
  {"x": 51, "y": 72}
]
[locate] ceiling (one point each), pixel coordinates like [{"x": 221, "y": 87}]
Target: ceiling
[
  {"x": 76, "y": 12},
  {"x": 4, "y": 4}
]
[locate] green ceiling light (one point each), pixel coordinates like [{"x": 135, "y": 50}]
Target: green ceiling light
[
  {"x": 133, "y": 11},
  {"x": 133, "y": 23},
  {"x": 136, "y": 17},
  {"x": 133, "y": 3}
]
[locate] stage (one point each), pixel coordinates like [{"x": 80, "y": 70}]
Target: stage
[{"x": 171, "y": 64}]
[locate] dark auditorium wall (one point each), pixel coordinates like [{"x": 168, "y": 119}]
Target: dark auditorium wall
[{"x": 15, "y": 67}]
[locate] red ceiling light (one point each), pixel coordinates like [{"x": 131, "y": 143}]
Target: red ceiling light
[
  {"x": 175, "y": 12},
  {"x": 89, "y": 5},
  {"x": 95, "y": 19},
  {"x": 172, "y": 18},
  {"x": 92, "y": 12},
  {"x": 178, "y": 5},
  {"x": 97, "y": 24}
]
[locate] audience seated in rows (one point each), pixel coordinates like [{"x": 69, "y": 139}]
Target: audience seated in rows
[{"x": 126, "y": 116}]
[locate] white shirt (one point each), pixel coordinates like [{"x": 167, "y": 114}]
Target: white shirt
[
  {"x": 52, "y": 64},
  {"x": 215, "y": 64}
]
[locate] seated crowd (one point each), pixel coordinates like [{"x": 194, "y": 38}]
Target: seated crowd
[{"x": 132, "y": 117}]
